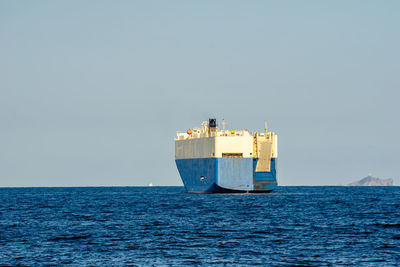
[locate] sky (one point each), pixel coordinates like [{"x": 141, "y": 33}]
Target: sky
[{"x": 92, "y": 93}]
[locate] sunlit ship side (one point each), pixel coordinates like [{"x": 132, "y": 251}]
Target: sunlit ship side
[{"x": 211, "y": 160}]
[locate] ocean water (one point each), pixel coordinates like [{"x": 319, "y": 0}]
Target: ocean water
[{"x": 295, "y": 226}]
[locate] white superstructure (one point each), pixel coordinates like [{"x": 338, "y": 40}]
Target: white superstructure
[{"x": 205, "y": 142}]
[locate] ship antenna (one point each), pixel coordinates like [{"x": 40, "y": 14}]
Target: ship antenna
[
  {"x": 223, "y": 124},
  {"x": 266, "y": 127}
]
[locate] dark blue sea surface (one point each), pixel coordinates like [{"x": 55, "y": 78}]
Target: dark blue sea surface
[{"x": 304, "y": 226}]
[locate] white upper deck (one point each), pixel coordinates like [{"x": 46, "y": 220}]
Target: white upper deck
[
  {"x": 208, "y": 141},
  {"x": 205, "y": 132}
]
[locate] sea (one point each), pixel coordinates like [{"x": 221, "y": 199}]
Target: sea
[{"x": 165, "y": 226}]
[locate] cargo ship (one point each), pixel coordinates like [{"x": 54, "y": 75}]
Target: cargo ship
[{"x": 213, "y": 160}]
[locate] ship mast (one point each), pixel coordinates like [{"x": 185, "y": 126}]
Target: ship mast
[{"x": 266, "y": 127}]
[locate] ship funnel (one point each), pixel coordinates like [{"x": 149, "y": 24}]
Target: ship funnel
[{"x": 212, "y": 125}]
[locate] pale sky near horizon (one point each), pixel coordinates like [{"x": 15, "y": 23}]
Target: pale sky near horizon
[{"x": 93, "y": 92}]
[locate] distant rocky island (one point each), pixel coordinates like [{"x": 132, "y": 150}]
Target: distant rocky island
[{"x": 372, "y": 181}]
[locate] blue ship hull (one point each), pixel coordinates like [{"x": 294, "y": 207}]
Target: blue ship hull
[{"x": 225, "y": 175}]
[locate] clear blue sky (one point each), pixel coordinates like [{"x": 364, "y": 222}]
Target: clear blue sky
[{"x": 93, "y": 92}]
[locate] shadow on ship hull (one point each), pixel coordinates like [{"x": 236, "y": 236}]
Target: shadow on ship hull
[{"x": 221, "y": 190}]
